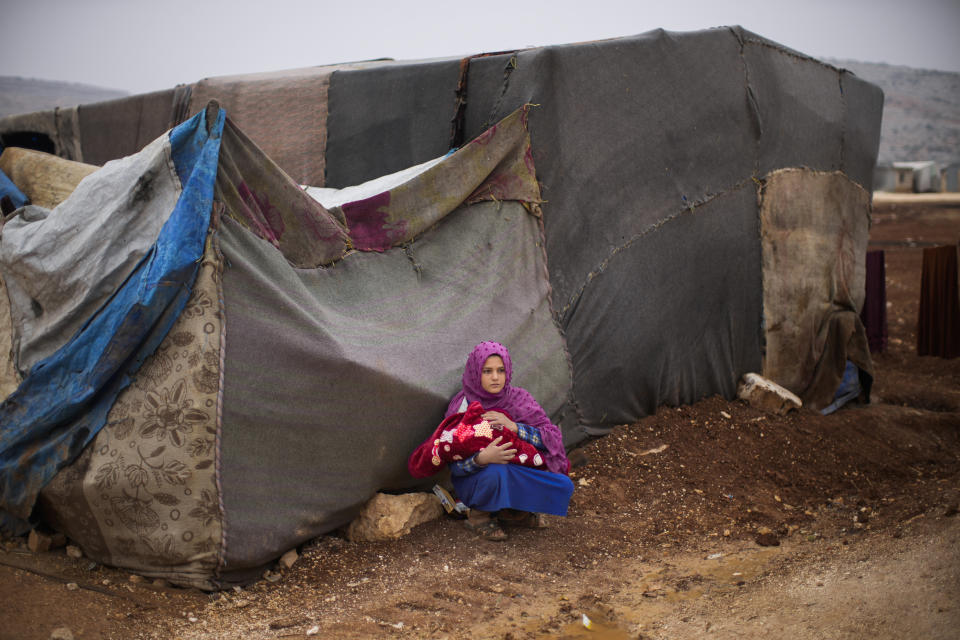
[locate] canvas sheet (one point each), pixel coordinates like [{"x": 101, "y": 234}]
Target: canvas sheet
[
  {"x": 144, "y": 495},
  {"x": 384, "y": 119},
  {"x": 635, "y": 138},
  {"x": 257, "y": 193},
  {"x": 283, "y": 112},
  {"x": 60, "y": 126},
  {"x": 938, "y": 318},
  {"x": 62, "y": 265},
  {"x": 815, "y": 227},
  {"x": 9, "y": 377},
  {"x": 113, "y": 129},
  {"x": 334, "y": 374},
  {"x": 62, "y": 403},
  {"x": 45, "y": 179}
]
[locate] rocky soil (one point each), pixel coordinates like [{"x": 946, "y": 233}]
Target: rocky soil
[{"x": 709, "y": 520}]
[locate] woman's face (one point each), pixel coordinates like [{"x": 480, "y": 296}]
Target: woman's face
[{"x": 493, "y": 375}]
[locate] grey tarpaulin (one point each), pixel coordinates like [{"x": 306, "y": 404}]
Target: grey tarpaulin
[
  {"x": 379, "y": 123},
  {"x": 301, "y": 374},
  {"x": 117, "y": 128},
  {"x": 284, "y": 112},
  {"x": 651, "y": 150}
]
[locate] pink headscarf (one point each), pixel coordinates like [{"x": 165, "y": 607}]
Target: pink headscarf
[{"x": 513, "y": 400}]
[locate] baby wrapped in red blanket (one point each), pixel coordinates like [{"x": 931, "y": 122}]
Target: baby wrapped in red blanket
[{"x": 463, "y": 434}]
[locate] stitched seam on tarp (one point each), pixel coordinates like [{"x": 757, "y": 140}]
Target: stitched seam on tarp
[
  {"x": 791, "y": 54},
  {"x": 408, "y": 252},
  {"x": 459, "y": 106},
  {"x": 218, "y": 458},
  {"x": 534, "y": 210},
  {"x": 507, "y": 71},
  {"x": 656, "y": 226},
  {"x": 752, "y": 103},
  {"x": 843, "y": 121}
]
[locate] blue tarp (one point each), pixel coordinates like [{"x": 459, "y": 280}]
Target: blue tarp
[
  {"x": 64, "y": 399},
  {"x": 10, "y": 190},
  {"x": 848, "y": 390}
]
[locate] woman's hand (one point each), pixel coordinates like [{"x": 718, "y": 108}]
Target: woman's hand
[
  {"x": 498, "y": 419},
  {"x": 496, "y": 453}
]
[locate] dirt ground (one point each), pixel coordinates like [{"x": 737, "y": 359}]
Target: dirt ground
[{"x": 711, "y": 520}]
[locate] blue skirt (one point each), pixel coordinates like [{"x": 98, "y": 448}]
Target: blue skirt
[{"x": 511, "y": 486}]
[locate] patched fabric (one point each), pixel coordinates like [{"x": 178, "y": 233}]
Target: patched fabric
[
  {"x": 814, "y": 228},
  {"x": 144, "y": 494}
]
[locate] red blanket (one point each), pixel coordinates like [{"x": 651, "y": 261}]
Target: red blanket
[{"x": 460, "y": 436}]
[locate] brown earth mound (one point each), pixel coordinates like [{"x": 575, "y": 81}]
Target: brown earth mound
[{"x": 714, "y": 518}]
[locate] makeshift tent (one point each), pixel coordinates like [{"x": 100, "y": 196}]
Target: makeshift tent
[{"x": 641, "y": 220}]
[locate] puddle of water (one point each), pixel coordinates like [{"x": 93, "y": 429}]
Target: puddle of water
[
  {"x": 600, "y": 629},
  {"x": 654, "y": 594}
]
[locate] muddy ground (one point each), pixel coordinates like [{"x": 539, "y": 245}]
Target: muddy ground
[{"x": 710, "y": 520}]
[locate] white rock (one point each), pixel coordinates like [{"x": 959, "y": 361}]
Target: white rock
[
  {"x": 767, "y": 395},
  {"x": 61, "y": 633},
  {"x": 289, "y": 558},
  {"x": 74, "y": 551},
  {"x": 314, "y": 630},
  {"x": 388, "y": 517}
]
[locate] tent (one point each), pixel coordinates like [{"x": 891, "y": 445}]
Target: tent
[{"x": 641, "y": 220}]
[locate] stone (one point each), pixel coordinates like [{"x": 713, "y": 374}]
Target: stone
[
  {"x": 270, "y": 576},
  {"x": 61, "y": 633},
  {"x": 38, "y": 542},
  {"x": 74, "y": 552},
  {"x": 767, "y": 395},
  {"x": 388, "y": 517},
  {"x": 137, "y": 579},
  {"x": 289, "y": 558},
  {"x": 768, "y": 539}
]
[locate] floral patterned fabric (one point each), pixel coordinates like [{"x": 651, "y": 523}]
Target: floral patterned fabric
[
  {"x": 144, "y": 495},
  {"x": 9, "y": 379}
]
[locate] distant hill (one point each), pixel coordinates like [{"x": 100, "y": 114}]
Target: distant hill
[
  {"x": 921, "y": 111},
  {"x": 26, "y": 95}
]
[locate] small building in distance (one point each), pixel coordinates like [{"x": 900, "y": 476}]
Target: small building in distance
[
  {"x": 950, "y": 177},
  {"x": 916, "y": 177}
]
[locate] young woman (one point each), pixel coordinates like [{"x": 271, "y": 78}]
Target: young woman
[{"x": 485, "y": 482}]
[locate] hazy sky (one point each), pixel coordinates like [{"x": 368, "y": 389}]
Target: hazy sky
[{"x": 143, "y": 45}]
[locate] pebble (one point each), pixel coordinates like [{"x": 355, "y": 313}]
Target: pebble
[
  {"x": 314, "y": 630},
  {"x": 61, "y": 633},
  {"x": 289, "y": 558},
  {"x": 74, "y": 552},
  {"x": 72, "y": 586},
  {"x": 768, "y": 540}
]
